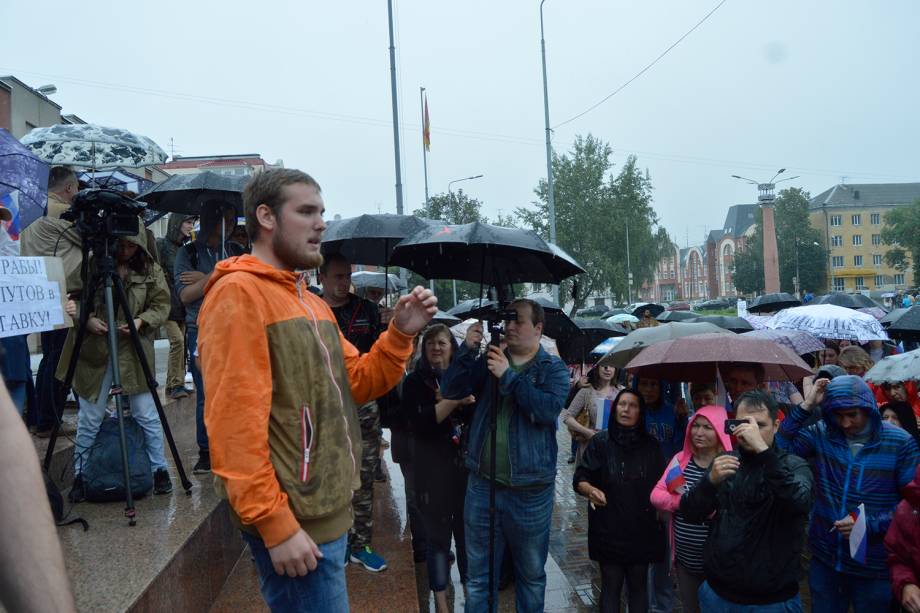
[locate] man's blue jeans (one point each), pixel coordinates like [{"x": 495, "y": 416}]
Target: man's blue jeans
[
  {"x": 522, "y": 520},
  {"x": 191, "y": 342},
  {"x": 713, "y": 603},
  {"x": 832, "y": 591},
  {"x": 322, "y": 590}
]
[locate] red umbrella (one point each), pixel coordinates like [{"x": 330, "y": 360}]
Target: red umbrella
[{"x": 696, "y": 358}]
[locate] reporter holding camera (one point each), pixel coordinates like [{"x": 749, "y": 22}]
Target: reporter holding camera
[
  {"x": 758, "y": 502},
  {"x": 148, "y": 300}
]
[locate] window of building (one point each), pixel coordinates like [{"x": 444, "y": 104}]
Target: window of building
[
  {"x": 837, "y": 261},
  {"x": 899, "y": 279},
  {"x": 859, "y": 282},
  {"x": 836, "y": 220},
  {"x": 836, "y": 241},
  {"x": 856, "y": 219},
  {"x": 876, "y": 260},
  {"x": 857, "y": 260},
  {"x": 879, "y": 280},
  {"x": 875, "y": 219},
  {"x": 876, "y": 239},
  {"x": 838, "y": 285},
  {"x": 857, "y": 240}
]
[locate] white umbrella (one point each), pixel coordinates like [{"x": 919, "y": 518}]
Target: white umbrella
[
  {"x": 758, "y": 321},
  {"x": 896, "y": 368},
  {"x": 459, "y": 332},
  {"x": 92, "y": 146},
  {"x": 623, "y": 318},
  {"x": 829, "y": 321}
]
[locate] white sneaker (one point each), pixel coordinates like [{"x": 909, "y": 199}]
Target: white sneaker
[{"x": 188, "y": 378}]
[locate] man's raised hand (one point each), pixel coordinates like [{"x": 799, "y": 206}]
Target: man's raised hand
[{"x": 415, "y": 310}]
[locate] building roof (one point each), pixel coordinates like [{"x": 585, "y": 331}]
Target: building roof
[
  {"x": 210, "y": 161},
  {"x": 866, "y": 195},
  {"x": 739, "y": 218},
  {"x": 11, "y": 79}
]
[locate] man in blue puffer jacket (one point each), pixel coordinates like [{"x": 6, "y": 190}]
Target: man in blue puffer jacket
[{"x": 858, "y": 459}]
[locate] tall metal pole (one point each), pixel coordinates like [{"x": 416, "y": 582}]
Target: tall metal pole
[
  {"x": 550, "y": 189},
  {"x": 421, "y": 96},
  {"x": 629, "y": 277},
  {"x": 399, "y": 189}
]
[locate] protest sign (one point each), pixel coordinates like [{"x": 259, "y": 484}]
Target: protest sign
[{"x": 32, "y": 295}]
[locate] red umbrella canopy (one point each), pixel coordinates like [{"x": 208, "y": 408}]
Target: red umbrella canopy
[{"x": 696, "y": 358}]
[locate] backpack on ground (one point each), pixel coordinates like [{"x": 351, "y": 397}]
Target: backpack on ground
[{"x": 103, "y": 473}]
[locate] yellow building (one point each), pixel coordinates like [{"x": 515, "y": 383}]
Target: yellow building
[{"x": 851, "y": 218}]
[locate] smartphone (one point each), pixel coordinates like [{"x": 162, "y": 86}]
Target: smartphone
[{"x": 731, "y": 424}]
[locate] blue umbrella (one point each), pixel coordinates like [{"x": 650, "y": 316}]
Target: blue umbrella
[{"x": 23, "y": 182}]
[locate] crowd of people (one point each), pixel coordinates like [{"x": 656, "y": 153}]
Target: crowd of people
[{"x": 712, "y": 494}]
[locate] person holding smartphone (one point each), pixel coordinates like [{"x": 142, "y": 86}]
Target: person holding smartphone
[{"x": 758, "y": 501}]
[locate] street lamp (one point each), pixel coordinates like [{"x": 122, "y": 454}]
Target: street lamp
[
  {"x": 450, "y": 193},
  {"x": 550, "y": 189}
]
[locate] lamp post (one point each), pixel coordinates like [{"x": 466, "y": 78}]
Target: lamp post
[
  {"x": 765, "y": 199},
  {"x": 550, "y": 189},
  {"x": 450, "y": 193}
]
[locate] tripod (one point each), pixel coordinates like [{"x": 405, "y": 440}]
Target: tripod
[{"x": 106, "y": 274}]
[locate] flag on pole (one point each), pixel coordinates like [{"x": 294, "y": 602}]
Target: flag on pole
[
  {"x": 426, "y": 127},
  {"x": 858, "y": 535}
]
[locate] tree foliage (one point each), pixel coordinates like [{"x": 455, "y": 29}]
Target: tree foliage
[
  {"x": 902, "y": 232},
  {"x": 593, "y": 208},
  {"x": 798, "y": 246}
]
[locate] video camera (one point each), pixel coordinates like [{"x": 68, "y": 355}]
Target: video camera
[{"x": 104, "y": 213}]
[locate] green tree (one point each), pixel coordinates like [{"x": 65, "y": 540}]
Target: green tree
[
  {"x": 798, "y": 246},
  {"x": 593, "y": 208},
  {"x": 902, "y": 232}
]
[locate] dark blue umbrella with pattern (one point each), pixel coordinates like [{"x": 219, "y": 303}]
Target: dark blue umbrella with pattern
[{"x": 23, "y": 182}]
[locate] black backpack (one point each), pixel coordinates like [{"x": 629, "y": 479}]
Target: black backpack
[{"x": 103, "y": 474}]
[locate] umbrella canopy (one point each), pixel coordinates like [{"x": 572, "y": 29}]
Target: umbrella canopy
[
  {"x": 637, "y": 340},
  {"x": 188, "y": 193},
  {"x": 770, "y": 303},
  {"x": 907, "y": 325},
  {"x": 444, "y": 318},
  {"x": 677, "y": 316},
  {"x": 829, "y": 321},
  {"x": 90, "y": 146},
  {"x": 379, "y": 280},
  {"x": 759, "y": 322},
  {"x": 800, "y": 342},
  {"x": 896, "y": 368},
  {"x": 23, "y": 182},
  {"x": 622, "y": 318},
  {"x": 474, "y": 308},
  {"x": 459, "y": 332},
  {"x": 370, "y": 239},
  {"x": 483, "y": 253},
  {"x": 849, "y": 301},
  {"x": 606, "y": 347},
  {"x": 876, "y": 312},
  {"x": 727, "y": 322},
  {"x": 696, "y": 358},
  {"x": 892, "y": 317},
  {"x": 655, "y": 309},
  {"x": 612, "y": 312},
  {"x": 592, "y": 332}
]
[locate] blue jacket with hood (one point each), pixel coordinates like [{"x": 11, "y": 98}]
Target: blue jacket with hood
[{"x": 874, "y": 477}]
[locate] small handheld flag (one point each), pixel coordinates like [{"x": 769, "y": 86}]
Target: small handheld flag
[
  {"x": 858, "y": 534},
  {"x": 674, "y": 477},
  {"x": 602, "y": 419}
]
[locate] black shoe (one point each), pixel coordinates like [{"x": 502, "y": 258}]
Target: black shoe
[
  {"x": 420, "y": 557},
  {"x": 77, "y": 491},
  {"x": 203, "y": 465},
  {"x": 161, "y": 482}
]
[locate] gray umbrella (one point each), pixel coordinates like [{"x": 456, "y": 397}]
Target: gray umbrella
[
  {"x": 678, "y": 316},
  {"x": 633, "y": 343},
  {"x": 188, "y": 193},
  {"x": 727, "y": 322},
  {"x": 365, "y": 279},
  {"x": 93, "y": 146}
]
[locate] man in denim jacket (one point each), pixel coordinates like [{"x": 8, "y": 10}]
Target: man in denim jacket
[{"x": 532, "y": 387}]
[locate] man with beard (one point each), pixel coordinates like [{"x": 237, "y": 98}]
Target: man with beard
[{"x": 284, "y": 438}]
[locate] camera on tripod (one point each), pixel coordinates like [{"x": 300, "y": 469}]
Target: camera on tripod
[{"x": 104, "y": 213}]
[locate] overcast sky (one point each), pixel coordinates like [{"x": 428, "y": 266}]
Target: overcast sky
[{"x": 825, "y": 88}]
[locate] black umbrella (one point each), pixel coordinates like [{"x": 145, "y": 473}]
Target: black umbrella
[
  {"x": 892, "y": 317},
  {"x": 654, "y": 309},
  {"x": 677, "y": 316},
  {"x": 592, "y": 332},
  {"x": 445, "y": 318},
  {"x": 769, "y": 303},
  {"x": 726, "y": 322},
  {"x": 849, "y": 301},
  {"x": 188, "y": 193},
  {"x": 907, "y": 326},
  {"x": 369, "y": 239},
  {"x": 474, "y": 308},
  {"x": 483, "y": 253}
]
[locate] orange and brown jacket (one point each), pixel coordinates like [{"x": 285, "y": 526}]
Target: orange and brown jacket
[{"x": 282, "y": 389}]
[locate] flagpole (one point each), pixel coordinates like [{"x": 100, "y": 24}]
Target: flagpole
[{"x": 399, "y": 187}]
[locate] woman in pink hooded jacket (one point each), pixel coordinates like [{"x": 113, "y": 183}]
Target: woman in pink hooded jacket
[{"x": 705, "y": 439}]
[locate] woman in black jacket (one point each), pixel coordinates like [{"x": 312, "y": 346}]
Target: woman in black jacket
[
  {"x": 617, "y": 472},
  {"x": 440, "y": 474}
]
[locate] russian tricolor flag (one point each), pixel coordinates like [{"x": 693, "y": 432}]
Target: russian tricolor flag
[
  {"x": 858, "y": 536},
  {"x": 674, "y": 477}
]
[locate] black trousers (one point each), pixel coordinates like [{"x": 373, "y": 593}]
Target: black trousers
[{"x": 50, "y": 393}]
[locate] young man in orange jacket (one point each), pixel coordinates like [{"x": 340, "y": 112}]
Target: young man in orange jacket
[{"x": 282, "y": 386}]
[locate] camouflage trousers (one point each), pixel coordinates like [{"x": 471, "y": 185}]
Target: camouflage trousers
[{"x": 362, "y": 503}]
